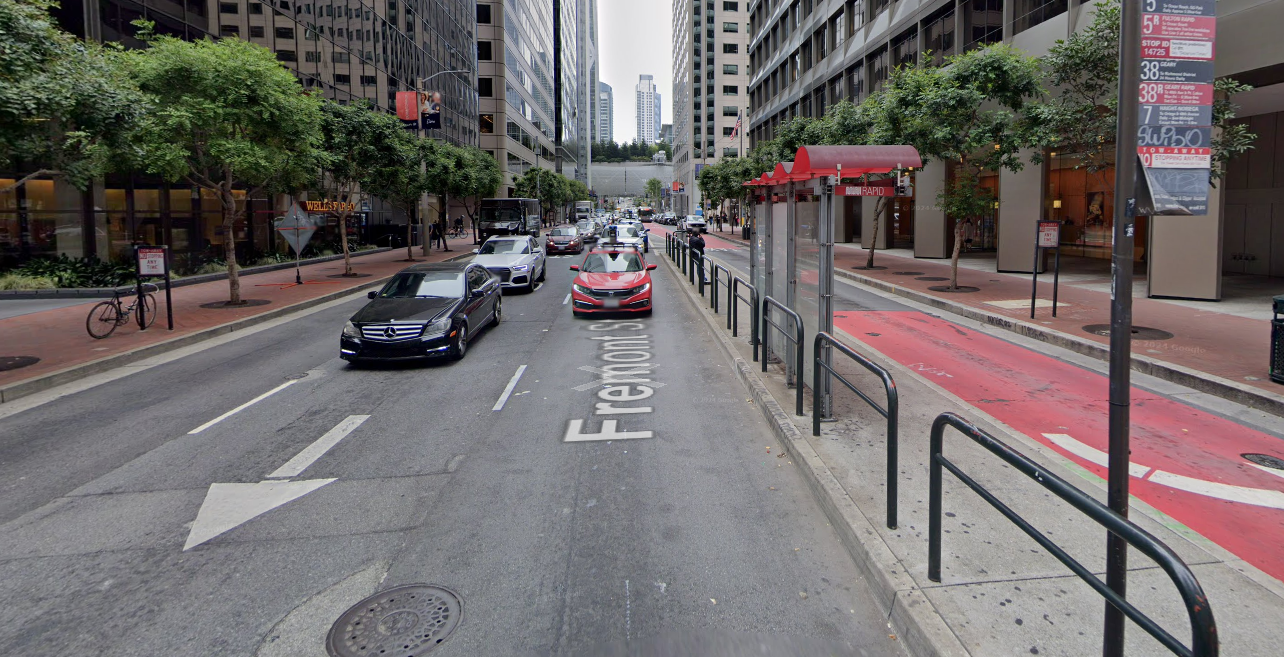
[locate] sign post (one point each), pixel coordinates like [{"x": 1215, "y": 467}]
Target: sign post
[
  {"x": 297, "y": 228},
  {"x": 153, "y": 261},
  {"x": 1048, "y": 237}
]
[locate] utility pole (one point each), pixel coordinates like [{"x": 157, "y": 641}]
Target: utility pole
[{"x": 1121, "y": 314}]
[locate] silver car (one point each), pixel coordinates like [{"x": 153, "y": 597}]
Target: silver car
[
  {"x": 628, "y": 233},
  {"x": 516, "y": 260}
]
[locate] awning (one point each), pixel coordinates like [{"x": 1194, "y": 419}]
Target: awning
[{"x": 815, "y": 161}]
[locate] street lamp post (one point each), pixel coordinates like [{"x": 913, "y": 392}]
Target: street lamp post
[{"x": 419, "y": 88}]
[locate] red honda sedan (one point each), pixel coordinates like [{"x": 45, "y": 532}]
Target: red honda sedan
[{"x": 612, "y": 280}]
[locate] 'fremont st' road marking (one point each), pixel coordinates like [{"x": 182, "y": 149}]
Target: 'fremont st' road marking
[
  {"x": 295, "y": 466},
  {"x": 508, "y": 390},
  {"x": 242, "y": 407}
]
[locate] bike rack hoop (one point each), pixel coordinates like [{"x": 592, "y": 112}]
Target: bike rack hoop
[{"x": 1203, "y": 628}]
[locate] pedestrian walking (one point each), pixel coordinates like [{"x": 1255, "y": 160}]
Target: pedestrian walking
[{"x": 439, "y": 233}]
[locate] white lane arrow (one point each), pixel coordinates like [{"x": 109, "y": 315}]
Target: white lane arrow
[{"x": 228, "y": 506}]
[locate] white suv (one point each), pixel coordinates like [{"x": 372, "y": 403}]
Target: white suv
[{"x": 693, "y": 222}]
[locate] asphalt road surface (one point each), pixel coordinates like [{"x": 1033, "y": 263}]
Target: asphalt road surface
[{"x": 574, "y": 515}]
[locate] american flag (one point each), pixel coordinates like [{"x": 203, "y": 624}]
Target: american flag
[{"x": 736, "y": 130}]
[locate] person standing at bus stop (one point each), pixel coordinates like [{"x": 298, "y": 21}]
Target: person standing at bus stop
[{"x": 697, "y": 251}]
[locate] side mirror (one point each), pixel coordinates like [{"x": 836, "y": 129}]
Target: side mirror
[
  {"x": 371, "y": 294},
  {"x": 476, "y": 250},
  {"x": 650, "y": 267},
  {"x": 575, "y": 267}
]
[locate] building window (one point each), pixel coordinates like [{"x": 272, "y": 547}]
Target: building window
[
  {"x": 730, "y": 69},
  {"x": 1029, "y": 13},
  {"x": 731, "y": 27},
  {"x": 342, "y": 79},
  {"x": 486, "y": 122},
  {"x": 730, "y": 90},
  {"x": 485, "y": 87},
  {"x": 256, "y": 7},
  {"x": 286, "y": 56},
  {"x": 484, "y": 51},
  {"x": 256, "y": 31},
  {"x": 730, "y": 151},
  {"x": 726, "y": 132},
  {"x": 339, "y": 57},
  {"x": 312, "y": 56},
  {"x": 229, "y": 8},
  {"x": 369, "y": 80},
  {"x": 731, "y": 6},
  {"x": 229, "y": 30},
  {"x": 285, "y": 33},
  {"x": 982, "y": 23},
  {"x": 729, "y": 110},
  {"x": 483, "y": 13},
  {"x": 938, "y": 36},
  {"x": 730, "y": 48},
  {"x": 904, "y": 48}
]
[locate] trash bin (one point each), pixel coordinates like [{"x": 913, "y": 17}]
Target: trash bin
[
  {"x": 1277, "y": 342},
  {"x": 744, "y": 230}
]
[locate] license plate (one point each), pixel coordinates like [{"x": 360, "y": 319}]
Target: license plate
[{"x": 611, "y": 303}]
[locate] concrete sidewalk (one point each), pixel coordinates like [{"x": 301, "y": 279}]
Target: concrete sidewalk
[
  {"x": 1000, "y": 593},
  {"x": 63, "y": 350},
  {"x": 1194, "y": 344}
]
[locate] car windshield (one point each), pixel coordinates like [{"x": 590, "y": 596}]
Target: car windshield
[
  {"x": 583, "y": 226},
  {"x": 419, "y": 284},
  {"x": 626, "y": 230},
  {"x": 505, "y": 246},
  {"x": 564, "y": 232},
  {"x": 611, "y": 263},
  {"x": 500, "y": 215}
]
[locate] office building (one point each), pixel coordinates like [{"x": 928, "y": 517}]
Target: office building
[
  {"x": 710, "y": 72},
  {"x": 648, "y": 106},
  {"x": 666, "y": 134},
  {"x": 605, "y": 113},
  {"x": 658, "y": 120},
  {"x": 586, "y": 110},
  {"x": 345, "y": 51},
  {"x": 807, "y": 54}
]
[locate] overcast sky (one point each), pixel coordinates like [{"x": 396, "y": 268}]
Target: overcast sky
[{"x": 635, "y": 37}]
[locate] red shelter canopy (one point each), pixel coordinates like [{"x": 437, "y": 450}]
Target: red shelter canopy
[{"x": 815, "y": 161}]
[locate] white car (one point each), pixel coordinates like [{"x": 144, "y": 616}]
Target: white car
[
  {"x": 694, "y": 222},
  {"x": 630, "y": 233},
  {"x": 516, "y": 260}
]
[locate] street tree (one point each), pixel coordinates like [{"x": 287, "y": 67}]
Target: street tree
[
  {"x": 444, "y": 164},
  {"x": 403, "y": 181},
  {"x": 225, "y": 117},
  {"x": 654, "y": 190},
  {"x": 478, "y": 178},
  {"x": 550, "y": 188},
  {"x": 361, "y": 143},
  {"x": 65, "y": 105}
]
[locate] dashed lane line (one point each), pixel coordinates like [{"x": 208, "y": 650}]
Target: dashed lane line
[
  {"x": 508, "y": 390},
  {"x": 242, "y": 407}
]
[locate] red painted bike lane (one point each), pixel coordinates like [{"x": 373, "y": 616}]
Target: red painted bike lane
[
  {"x": 1185, "y": 462},
  {"x": 711, "y": 240}
]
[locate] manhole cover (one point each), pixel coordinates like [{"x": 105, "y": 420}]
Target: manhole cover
[
  {"x": 227, "y": 305},
  {"x": 908, "y": 273},
  {"x": 1138, "y": 332},
  {"x": 406, "y": 621},
  {"x": 1266, "y": 460},
  {"x": 931, "y": 278},
  {"x": 16, "y": 362}
]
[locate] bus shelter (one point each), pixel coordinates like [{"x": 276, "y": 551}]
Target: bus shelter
[{"x": 792, "y": 245}]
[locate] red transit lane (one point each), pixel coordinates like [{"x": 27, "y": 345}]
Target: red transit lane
[
  {"x": 1185, "y": 462},
  {"x": 711, "y": 240}
]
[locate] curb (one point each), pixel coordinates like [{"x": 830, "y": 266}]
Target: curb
[
  {"x": 103, "y": 292},
  {"x": 921, "y": 627},
  {"x": 1262, "y": 400},
  {"x": 21, "y": 389}
]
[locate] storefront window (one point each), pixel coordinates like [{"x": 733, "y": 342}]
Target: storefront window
[{"x": 1086, "y": 201}]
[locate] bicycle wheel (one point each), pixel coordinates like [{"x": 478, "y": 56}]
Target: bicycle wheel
[
  {"x": 103, "y": 318},
  {"x": 148, "y": 310}
]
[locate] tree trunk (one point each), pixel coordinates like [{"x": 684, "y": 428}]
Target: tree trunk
[
  {"x": 22, "y": 181},
  {"x": 954, "y": 258},
  {"x": 879, "y": 208},
  {"x": 343, "y": 241},
  {"x": 229, "y": 244}
]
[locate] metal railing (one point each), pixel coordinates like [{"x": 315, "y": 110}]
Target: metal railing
[
  {"x": 891, "y": 412},
  {"x": 733, "y": 312},
  {"x": 796, "y": 340},
  {"x": 1203, "y": 629},
  {"x": 706, "y": 270},
  {"x": 716, "y": 280}
]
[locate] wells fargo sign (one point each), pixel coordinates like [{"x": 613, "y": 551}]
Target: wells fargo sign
[{"x": 329, "y": 206}]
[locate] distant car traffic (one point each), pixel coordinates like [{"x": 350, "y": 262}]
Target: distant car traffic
[
  {"x": 517, "y": 261},
  {"x": 564, "y": 240},
  {"x": 612, "y": 279},
  {"x": 424, "y": 311},
  {"x": 587, "y": 230}
]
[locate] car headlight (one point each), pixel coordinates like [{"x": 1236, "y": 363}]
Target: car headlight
[
  {"x": 640, "y": 289},
  {"x": 436, "y": 329},
  {"x": 512, "y": 226},
  {"x": 581, "y": 289},
  {"x": 521, "y": 267},
  {"x": 350, "y": 331}
]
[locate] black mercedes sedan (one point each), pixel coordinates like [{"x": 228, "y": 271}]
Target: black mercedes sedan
[{"x": 424, "y": 311}]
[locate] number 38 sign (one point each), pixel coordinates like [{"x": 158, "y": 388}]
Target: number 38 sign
[{"x": 1174, "y": 133}]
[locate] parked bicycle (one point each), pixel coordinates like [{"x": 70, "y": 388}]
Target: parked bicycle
[{"x": 106, "y": 316}]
